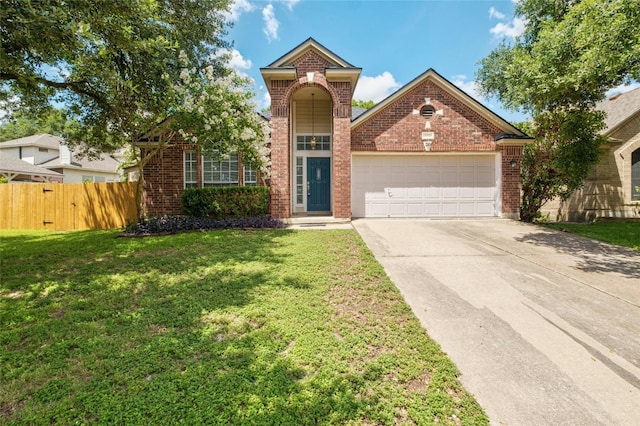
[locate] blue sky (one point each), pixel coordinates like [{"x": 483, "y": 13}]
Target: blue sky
[{"x": 392, "y": 41}]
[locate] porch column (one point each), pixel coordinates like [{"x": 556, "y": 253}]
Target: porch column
[{"x": 280, "y": 189}]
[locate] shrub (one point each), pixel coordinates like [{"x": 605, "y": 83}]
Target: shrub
[
  {"x": 177, "y": 224},
  {"x": 225, "y": 201}
]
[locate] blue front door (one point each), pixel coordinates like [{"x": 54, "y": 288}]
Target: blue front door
[{"x": 318, "y": 185}]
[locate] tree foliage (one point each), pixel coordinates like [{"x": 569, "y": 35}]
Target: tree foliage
[
  {"x": 359, "y": 103},
  {"x": 570, "y": 54},
  {"x": 218, "y": 114},
  {"x": 110, "y": 62},
  {"x": 19, "y": 125}
]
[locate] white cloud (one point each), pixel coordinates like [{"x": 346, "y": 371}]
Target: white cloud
[
  {"x": 376, "y": 88},
  {"x": 266, "y": 100},
  {"x": 271, "y": 24},
  {"x": 495, "y": 13},
  {"x": 290, "y": 3},
  {"x": 622, "y": 89},
  {"x": 238, "y": 7},
  {"x": 471, "y": 88},
  {"x": 512, "y": 29},
  {"x": 236, "y": 60}
]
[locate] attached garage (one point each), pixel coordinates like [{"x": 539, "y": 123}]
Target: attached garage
[{"x": 425, "y": 185}]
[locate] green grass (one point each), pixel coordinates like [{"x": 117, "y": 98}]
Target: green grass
[
  {"x": 626, "y": 234},
  {"x": 223, "y": 327}
]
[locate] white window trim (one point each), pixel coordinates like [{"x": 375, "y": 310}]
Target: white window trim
[
  {"x": 194, "y": 161},
  {"x": 224, "y": 161}
]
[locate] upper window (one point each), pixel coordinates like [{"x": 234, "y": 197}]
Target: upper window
[
  {"x": 220, "y": 173},
  {"x": 635, "y": 175},
  {"x": 304, "y": 143},
  {"x": 190, "y": 169}
]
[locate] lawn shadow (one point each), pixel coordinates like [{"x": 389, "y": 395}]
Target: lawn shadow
[
  {"x": 156, "y": 330},
  {"x": 592, "y": 255}
]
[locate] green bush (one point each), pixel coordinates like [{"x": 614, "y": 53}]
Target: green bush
[{"x": 225, "y": 201}]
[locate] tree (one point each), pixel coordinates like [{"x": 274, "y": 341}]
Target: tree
[
  {"x": 111, "y": 63},
  {"x": 362, "y": 104},
  {"x": 570, "y": 54},
  {"x": 19, "y": 125},
  {"x": 216, "y": 114}
]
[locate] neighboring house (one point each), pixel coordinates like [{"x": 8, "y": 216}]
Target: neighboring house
[
  {"x": 428, "y": 150},
  {"x": 49, "y": 152},
  {"x": 613, "y": 188},
  {"x": 15, "y": 170}
]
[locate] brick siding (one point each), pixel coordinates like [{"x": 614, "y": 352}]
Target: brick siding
[
  {"x": 395, "y": 128},
  {"x": 164, "y": 179},
  {"x": 281, "y": 93}
]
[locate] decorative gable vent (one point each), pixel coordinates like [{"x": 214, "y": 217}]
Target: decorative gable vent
[{"x": 427, "y": 112}]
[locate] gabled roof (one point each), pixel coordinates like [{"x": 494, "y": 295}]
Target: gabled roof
[
  {"x": 338, "y": 70},
  {"x": 104, "y": 164},
  {"x": 508, "y": 130},
  {"x": 620, "y": 109},
  {"x": 309, "y": 44},
  {"x": 11, "y": 165},
  {"x": 39, "y": 141}
]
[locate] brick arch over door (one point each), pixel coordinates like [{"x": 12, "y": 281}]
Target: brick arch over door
[
  {"x": 281, "y": 144},
  {"x": 319, "y": 81}
]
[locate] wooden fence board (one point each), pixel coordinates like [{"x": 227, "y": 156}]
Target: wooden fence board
[{"x": 67, "y": 206}]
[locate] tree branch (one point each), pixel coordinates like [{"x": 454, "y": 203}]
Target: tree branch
[{"x": 79, "y": 87}]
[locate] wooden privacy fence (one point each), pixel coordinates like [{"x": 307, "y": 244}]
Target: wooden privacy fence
[{"x": 67, "y": 206}]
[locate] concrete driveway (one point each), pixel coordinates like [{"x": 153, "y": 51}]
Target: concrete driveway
[{"x": 543, "y": 325}]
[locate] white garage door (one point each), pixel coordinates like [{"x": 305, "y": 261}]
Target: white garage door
[{"x": 424, "y": 186}]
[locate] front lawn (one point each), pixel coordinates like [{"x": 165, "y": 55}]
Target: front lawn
[
  {"x": 625, "y": 234},
  {"x": 221, "y": 327}
]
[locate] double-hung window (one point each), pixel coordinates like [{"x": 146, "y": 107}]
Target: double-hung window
[
  {"x": 250, "y": 175},
  {"x": 190, "y": 169},
  {"x": 220, "y": 173}
]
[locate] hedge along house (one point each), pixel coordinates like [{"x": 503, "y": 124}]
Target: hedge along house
[{"x": 428, "y": 150}]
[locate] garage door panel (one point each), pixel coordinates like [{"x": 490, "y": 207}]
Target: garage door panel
[
  {"x": 450, "y": 209},
  {"x": 467, "y": 209},
  {"x": 377, "y": 210},
  {"x": 424, "y": 186},
  {"x": 450, "y": 193},
  {"x": 486, "y": 193},
  {"x": 414, "y": 210},
  {"x": 432, "y": 193},
  {"x": 485, "y": 208},
  {"x": 431, "y": 209},
  {"x": 415, "y": 193},
  {"x": 397, "y": 210},
  {"x": 467, "y": 193}
]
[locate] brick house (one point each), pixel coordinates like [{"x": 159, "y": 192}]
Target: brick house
[
  {"x": 613, "y": 188},
  {"x": 427, "y": 150}
]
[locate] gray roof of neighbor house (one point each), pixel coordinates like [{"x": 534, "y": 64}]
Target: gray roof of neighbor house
[
  {"x": 104, "y": 164},
  {"x": 12, "y": 165},
  {"x": 41, "y": 141},
  {"x": 620, "y": 108}
]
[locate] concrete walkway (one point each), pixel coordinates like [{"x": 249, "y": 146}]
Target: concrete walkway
[{"x": 543, "y": 325}]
